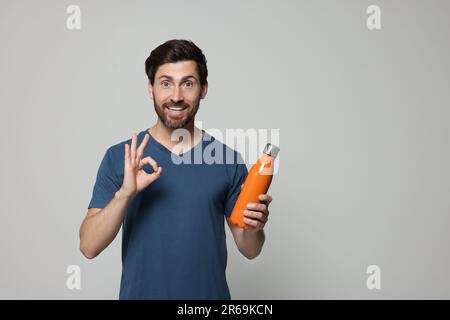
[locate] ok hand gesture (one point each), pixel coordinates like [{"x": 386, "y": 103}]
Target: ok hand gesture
[{"x": 135, "y": 178}]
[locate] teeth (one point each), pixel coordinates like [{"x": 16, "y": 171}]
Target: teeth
[{"x": 177, "y": 109}]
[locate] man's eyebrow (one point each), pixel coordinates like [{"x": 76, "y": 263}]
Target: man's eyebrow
[{"x": 184, "y": 78}]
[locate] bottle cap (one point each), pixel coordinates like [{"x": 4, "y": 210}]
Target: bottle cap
[{"x": 271, "y": 150}]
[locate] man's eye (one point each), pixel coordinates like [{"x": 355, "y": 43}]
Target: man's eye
[
  {"x": 165, "y": 84},
  {"x": 188, "y": 84}
]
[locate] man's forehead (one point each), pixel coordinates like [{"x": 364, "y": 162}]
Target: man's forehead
[{"x": 178, "y": 69}]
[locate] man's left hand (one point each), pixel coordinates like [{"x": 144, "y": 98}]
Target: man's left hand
[{"x": 257, "y": 214}]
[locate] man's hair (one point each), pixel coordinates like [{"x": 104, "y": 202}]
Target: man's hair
[{"x": 174, "y": 51}]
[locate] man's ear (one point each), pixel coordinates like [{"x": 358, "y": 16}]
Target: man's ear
[
  {"x": 204, "y": 90},
  {"x": 150, "y": 90}
]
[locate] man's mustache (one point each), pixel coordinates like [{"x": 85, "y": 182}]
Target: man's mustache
[{"x": 176, "y": 105}]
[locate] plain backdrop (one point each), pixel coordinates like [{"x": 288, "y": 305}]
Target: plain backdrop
[{"x": 362, "y": 116}]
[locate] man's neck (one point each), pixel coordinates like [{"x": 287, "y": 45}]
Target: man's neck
[{"x": 163, "y": 135}]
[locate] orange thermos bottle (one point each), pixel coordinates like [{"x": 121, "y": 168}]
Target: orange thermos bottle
[{"x": 257, "y": 182}]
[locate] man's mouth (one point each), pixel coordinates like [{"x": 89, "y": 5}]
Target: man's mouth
[
  {"x": 177, "y": 108},
  {"x": 177, "y": 112}
]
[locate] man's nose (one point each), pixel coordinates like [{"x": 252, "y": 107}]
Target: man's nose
[{"x": 177, "y": 95}]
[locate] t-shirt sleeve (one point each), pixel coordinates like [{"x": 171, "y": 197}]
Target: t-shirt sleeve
[
  {"x": 106, "y": 184},
  {"x": 239, "y": 176}
]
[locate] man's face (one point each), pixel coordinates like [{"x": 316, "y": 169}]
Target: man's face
[{"x": 176, "y": 93}]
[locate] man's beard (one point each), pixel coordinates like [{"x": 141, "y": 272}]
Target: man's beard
[{"x": 176, "y": 123}]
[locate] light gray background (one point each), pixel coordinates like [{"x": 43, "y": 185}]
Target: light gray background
[{"x": 363, "y": 118}]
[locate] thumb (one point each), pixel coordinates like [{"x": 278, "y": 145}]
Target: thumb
[{"x": 153, "y": 176}]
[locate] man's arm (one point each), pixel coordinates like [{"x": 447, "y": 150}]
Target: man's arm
[
  {"x": 249, "y": 243},
  {"x": 101, "y": 226}
]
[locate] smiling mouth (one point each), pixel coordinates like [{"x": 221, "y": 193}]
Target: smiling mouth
[{"x": 176, "y": 108}]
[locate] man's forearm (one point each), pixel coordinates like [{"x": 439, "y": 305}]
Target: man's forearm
[
  {"x": 99, "y": 230},
  {"x": 250, "y": 243}
]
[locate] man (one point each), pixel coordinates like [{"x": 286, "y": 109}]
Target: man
[{"x": 173, "y": 237}]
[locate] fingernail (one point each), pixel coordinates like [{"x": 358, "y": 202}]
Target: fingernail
[{"x": 250, "y": 206}]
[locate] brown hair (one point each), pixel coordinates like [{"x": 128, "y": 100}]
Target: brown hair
[{"x": 173, "y": 51}]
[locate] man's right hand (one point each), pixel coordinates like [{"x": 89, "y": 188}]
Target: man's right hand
[{"x": 135, "y": 178}]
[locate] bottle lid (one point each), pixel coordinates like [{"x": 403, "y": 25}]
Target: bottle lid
[{"x": 271, "y": 150}]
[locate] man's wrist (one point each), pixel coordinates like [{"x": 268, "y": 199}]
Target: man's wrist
[{"x": 120, "y": 194}]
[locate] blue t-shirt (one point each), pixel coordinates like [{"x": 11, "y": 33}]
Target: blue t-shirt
[{"x": 173, "y": 234}]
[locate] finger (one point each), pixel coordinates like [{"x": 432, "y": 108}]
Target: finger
[
  {"x": 155, "y": 175},
  {"x": 140, "y": 150},
  {"x": 254, "y": 223},
  {"x": 257, "y": 206},
  {"x": 255, "y": 215},
  {"x": 127, "y": 154},
  {"x": 133, "y": 148},
  {"x": 265, "y": 198}
]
